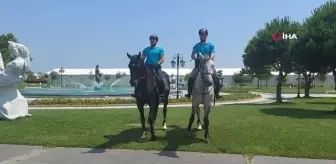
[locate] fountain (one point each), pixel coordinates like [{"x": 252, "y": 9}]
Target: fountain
[
  {"x": 12, "y": 104},
  {"x": 115, "y": 82},
  {"x": 80, "y": 90},
  {"x": 98, "y": 76}
]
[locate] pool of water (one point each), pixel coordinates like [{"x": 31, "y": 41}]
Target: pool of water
[{"x": 89, "y": 92}]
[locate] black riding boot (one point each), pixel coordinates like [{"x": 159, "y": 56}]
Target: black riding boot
[
  {"x": 161, "y": 85},
  {"x": 190, "y": 87},
  {"x": 217, "y": 87}
]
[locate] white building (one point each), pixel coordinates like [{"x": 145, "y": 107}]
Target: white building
[{"x": 84, "y": 76}]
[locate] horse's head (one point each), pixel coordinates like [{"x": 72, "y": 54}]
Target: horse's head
[
  {"x": 135, "y": 64},
  {"x": 206, "y": 70}
]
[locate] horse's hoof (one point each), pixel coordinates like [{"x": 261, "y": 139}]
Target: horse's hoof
[
  {"x": 153, "y": 138},
  {"x": 200, "y": 127},
  {"x": 165, "y": 126},
  {"x": 187, "y": 132},
  {"x": 207, "y": 140},
  {"x": 144, "y": 136}
]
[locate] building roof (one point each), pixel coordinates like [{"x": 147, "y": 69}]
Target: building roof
[{"x": 114, "y": 71}]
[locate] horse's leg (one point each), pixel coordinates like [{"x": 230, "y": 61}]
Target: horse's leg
[
  {"x": 207, "y": 109},
  {"x": 198, "y": 112},
  {"x": 164, "y": 110},
  {"x": 142, "y": 119},
  {"x": 191, "y": 119},
  {"x": 151, "y": 119}
]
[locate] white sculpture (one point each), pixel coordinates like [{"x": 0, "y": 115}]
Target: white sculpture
[
  {"x": 2, "y": 66},
  {"x": 12, "y": 104}
]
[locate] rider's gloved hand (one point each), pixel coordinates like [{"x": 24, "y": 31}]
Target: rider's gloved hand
[{"x": 157, "y": 66}]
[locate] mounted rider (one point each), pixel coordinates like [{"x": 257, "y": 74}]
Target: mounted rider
[
  {"x": 208, "y": 51},
  {"x": 154, "y": 56}
]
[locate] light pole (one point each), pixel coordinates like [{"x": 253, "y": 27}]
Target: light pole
[
  {"x": 177, "y": 60},
  {"x": 61, "y": 71}
]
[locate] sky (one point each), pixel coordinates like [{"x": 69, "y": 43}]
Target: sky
[{"x": 84, "y": 33}]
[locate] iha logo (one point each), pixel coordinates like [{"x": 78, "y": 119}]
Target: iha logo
[{"x": 278, "y": 36}]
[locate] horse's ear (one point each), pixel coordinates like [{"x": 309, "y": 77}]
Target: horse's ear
[
  {"x": 139, "y": 54},
  {"x": 128, "y": 55}
]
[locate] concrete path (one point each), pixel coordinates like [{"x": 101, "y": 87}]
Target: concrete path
[{"x": 15, "y": 154}]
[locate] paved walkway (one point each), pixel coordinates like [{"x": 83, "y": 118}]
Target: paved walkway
[
  {"x": 15, "y": 154},
  {"x": 265, "y": 98}
]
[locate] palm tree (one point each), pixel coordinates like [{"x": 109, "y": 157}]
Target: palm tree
[{"x": 53, "y": 76}]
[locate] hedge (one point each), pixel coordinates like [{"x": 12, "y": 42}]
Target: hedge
[{"x": 100, "y": 102}]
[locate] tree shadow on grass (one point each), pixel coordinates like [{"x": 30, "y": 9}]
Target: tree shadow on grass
[
  {"x": 299, "y": 113},
  {"x": 174, "y": 139},
  {"x": 255, "y": 104},
  {"x": 322, "y": 103}
]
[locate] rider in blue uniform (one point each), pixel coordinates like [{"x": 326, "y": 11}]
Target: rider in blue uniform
[
  {"x": 208, "y": 51},
  {"x": 154, "y": 58}
]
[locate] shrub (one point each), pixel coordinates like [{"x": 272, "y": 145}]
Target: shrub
[{"x": 104, "y": 102}]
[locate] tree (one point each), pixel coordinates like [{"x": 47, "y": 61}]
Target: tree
[
  {"x": 262, "y": 73},
  {"x": 46, "y": 76},
  {"x": 6, "y": 54},
  {"x": 220, "y": 73},
  {"x": 221, "y": 78},
  {"x": 307, "y": 55},
  {"x": 107, "y": 77},
  {"x": 323, "y": 23},
  {"x": 31, "y": 76},
  {"x": 186, "y": 77},
  {"x": 53, "y": 76},
  {"x": 262, "y": 50},
  {"x": 91, "y": 75},
  {"x": 118, "y": 75},
  {"x": 241, "y": 79},
  {"x": 322, "y": 78}
]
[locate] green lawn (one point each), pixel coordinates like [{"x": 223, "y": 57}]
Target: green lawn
[
  {"x": 305, "y": 128},
  {"x": 272, "y": 89}
]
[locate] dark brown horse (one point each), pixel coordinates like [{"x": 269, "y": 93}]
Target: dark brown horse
[{"x": 147, "y": 92}]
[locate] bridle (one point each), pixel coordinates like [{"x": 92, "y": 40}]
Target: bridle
[{"x": 202, "y": 73}]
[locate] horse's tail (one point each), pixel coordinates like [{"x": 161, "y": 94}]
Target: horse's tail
[
  {"x": 166, "y": 76},
  {"x": 214, "y": 101}
]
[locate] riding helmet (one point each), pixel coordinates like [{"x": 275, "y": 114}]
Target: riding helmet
[
  {"x": 154, "y": 37},
  {"x": 203, "y": 30}
]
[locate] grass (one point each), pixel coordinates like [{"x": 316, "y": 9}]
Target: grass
[
  {"x": 120, "y": 101},
  {"x": 272, "y": 89},
  {"x": 303, "y": 128}
]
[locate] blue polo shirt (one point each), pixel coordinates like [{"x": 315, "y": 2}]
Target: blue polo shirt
[
  {"x": 206, "y": 49},
  {"x": 153, "y": 54}
]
